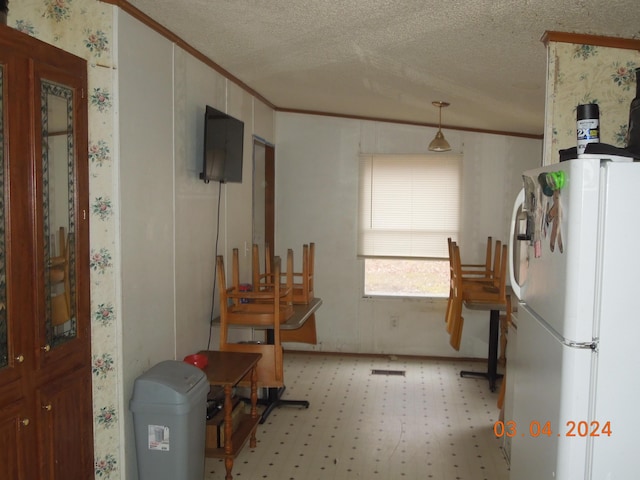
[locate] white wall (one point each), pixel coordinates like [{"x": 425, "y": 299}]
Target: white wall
[
  {"x": 169, "y": 218},
  {"x": 196, "y": 85},
  {"x": 145, "y": 88},
  {"x": 146, "y": 186},
  {"x": 316, "y": 201}
]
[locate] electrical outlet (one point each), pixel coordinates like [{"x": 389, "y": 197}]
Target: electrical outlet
[{"x": 394, "y": 321}]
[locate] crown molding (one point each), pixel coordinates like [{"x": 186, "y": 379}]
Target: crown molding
[{"x": 584, "y": 39}]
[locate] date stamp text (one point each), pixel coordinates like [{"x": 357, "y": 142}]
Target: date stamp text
[{"x": 544, "y": 429}]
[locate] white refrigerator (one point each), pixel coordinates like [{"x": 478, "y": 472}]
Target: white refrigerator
[{"x": 576, "y": 368}]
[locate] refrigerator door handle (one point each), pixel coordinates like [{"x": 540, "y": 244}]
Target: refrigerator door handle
[
  {"x": 592, "y": 345},
  {"x": 512, "y": 278},
  {"x": 581, "y": 345}
]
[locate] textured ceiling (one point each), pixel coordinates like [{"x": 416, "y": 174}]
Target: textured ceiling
[{"x": 390, "y": 59}]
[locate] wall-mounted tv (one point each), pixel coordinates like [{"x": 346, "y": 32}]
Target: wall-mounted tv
[{"x": 223, "y": 142}]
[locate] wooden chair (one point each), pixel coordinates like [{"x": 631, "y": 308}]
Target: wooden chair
[
  {"x": 258, "y": 310},
  {"x": 477, "y": 269},
  {"x": 475, "y": 278},
  {"x": 265, "y": 309},
  {"x": 492, "y": 292},
  {"x": 495, "y": 292},
  {"x": 302, "y": 281},
  {"x": 303, "y": 289}
]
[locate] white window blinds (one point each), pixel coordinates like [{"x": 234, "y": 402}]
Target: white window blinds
[{"x": 408, "y": 205}]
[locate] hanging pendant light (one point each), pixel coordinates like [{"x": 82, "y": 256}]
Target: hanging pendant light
[{"x": 439, "y": 143}]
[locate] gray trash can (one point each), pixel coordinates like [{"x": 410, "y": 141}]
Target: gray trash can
[{"x": 169, "y": 406}]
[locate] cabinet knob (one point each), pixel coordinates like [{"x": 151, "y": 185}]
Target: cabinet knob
[
  {"x": 47, "y": 407},
  {"x": 25, "y": 422},
  {"x": 46, "y": 348},
  {"x": 20, "y": 358}
]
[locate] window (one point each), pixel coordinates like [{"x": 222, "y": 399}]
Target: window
[
  {"x": 409, "y": 205},
  {"x": 407, "y": 278}
]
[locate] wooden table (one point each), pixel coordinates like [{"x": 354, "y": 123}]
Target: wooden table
[{"x": 226, "y": 369}]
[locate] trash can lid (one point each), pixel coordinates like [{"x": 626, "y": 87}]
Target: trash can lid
[{"x": 168, "y": 382}]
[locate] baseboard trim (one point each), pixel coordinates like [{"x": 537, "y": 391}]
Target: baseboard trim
[{"x": 389, "y": 355}]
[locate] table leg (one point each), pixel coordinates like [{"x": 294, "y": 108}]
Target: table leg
[
  {"x": 254, "y": 401},
  {"x": 492, "y": 358},
  {"x": 228, "y": 445},
  {"x": 492, "y": 361}
]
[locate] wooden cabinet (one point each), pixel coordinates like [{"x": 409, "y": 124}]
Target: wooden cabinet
[{"x": 45, "y": 345}]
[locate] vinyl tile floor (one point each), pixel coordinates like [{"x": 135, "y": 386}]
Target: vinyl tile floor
[{"x": 424, "y": 423}]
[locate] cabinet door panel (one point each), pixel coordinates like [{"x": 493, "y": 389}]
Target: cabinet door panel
[
  {"x": 61, "y": 173},
  {"x": 58, "y": 219},
  {"x": 65, "y": 430},
  {"x": 4, "y": 335},
  {"x": 16, "y": 218},
  {"x": 15, "y": 427}
]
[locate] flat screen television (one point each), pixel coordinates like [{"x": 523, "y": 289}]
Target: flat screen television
[{"x": 223, "y": 143}]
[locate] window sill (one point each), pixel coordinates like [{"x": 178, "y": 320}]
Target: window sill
[{"x": 407, "y": 298}]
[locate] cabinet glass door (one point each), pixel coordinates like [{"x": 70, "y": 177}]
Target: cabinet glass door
[
  {"x": 58, "y": 187},
  {"x": 4, "y": 339}
]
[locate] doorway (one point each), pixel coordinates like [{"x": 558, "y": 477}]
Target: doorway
[{"x": 263, "y": 194}]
